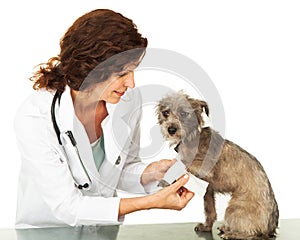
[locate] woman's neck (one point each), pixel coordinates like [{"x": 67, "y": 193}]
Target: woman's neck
[
  {"x": 91, "y": 112},
  {"x": 83, "y": 101}
]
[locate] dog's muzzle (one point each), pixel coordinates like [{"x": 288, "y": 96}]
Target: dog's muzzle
[{"x": 172, "y": 130}]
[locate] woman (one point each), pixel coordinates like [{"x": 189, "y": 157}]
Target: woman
[{"x": 89, "y": 78}]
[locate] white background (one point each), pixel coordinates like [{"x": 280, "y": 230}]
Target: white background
[{"x": 250, "y": 50}]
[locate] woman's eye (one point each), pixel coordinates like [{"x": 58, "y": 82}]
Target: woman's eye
[
  {"x": 165, "y": 113},
  {"x": 122, "y": 74},
  {"x": 184, "y": 114}
]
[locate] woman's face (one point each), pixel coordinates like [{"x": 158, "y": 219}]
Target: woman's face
[{"x": 116, "y": 85}]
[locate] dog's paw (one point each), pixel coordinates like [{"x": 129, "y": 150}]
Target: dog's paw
[
  {"x": 162, "y": 183},
  {"x": 202, "y": 228},
  {"x": 225, "y": 236},
  {"x": 229, "y": 236},
  {"x": 238, "y": 236}
]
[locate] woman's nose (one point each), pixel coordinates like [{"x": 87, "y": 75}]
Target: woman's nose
[{"x": 129, "y": 82}]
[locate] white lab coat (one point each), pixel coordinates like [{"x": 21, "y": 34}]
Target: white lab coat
[{"x": 47, "y": 196}]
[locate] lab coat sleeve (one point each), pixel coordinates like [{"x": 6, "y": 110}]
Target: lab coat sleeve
[{"x": 44, "y": 165}]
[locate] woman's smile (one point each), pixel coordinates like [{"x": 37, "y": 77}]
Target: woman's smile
[{"x": 119, "y": 93}]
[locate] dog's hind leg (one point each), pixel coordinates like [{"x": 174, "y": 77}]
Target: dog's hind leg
[
  {"x": 210, "y": 211},
  {"x": 244, "y": 219}
]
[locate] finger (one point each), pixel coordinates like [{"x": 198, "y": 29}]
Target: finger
[
  {"x": 159, "y": 176},
  {"x": 180, "y": 182},
  {"x": 182, "y": 191},
  {"x": 186, "y": 194},
  {"x": 165, "y": 164},
  {"x": 174, "y": 160}
]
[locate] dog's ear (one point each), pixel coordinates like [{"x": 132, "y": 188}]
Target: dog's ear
[
  {"x": 204, "y": 106},
  {"x": 157, "y": 109},
  {"x": 199, "y": 106}
]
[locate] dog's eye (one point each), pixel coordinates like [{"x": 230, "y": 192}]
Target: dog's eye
[
  {"x": 165, "y": 113},
  {"x": 184, "y": 114}
]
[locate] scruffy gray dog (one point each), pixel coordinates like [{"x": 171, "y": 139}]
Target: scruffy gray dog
[{"x": 252, "y": 212}]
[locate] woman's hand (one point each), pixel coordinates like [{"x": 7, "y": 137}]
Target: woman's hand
[
  {"x": 155, "y": 171},
  {"x": 175, "y": 197}
]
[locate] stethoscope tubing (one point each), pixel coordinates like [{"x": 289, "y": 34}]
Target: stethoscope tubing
[{"x": 68, "y": 152}]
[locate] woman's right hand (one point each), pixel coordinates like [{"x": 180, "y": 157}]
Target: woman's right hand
[{"x": 175, "y": 196}]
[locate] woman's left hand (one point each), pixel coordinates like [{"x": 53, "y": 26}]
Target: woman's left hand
[{"x": 155, "y": 171}]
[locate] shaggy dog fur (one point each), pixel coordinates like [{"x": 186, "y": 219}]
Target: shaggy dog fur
[{"x": 252, "y": 212}]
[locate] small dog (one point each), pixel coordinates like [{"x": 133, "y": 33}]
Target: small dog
[{"x": 252, "y": 212}]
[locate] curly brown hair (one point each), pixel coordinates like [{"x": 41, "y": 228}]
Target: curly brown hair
[{"x": 98, "y": 44}]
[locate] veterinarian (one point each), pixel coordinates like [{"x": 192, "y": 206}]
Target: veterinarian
[{"x": 75, "y": 145}]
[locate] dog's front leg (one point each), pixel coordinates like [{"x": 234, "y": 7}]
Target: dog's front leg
[
  {"x": 210, "y": 211},
  {"x": 193, "y": 166}
]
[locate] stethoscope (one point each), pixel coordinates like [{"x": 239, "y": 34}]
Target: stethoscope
[{"x": 68, "y": 143}]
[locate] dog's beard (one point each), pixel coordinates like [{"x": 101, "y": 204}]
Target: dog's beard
[
  {"x": 172, "y": 139},
  {"x": 182, "y": 135}
]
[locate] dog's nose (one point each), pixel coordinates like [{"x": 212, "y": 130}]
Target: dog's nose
[{"x": 172, "y": 130}]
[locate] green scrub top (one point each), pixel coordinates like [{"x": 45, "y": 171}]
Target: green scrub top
[{"x": 98, "y": 151}]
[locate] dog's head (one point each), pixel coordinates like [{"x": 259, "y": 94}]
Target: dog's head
[{"x": 180, "y": 117}]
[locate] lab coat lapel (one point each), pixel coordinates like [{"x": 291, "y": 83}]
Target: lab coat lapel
[
  {"x": 115, "y": 142},
  {"x": 116, "y": 133},
  {"x": 69, "y": 121}
]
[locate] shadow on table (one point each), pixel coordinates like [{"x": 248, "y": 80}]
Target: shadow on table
[
  {"x": 288, "y": 229},
  {"x": 69, "y": 233}
]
